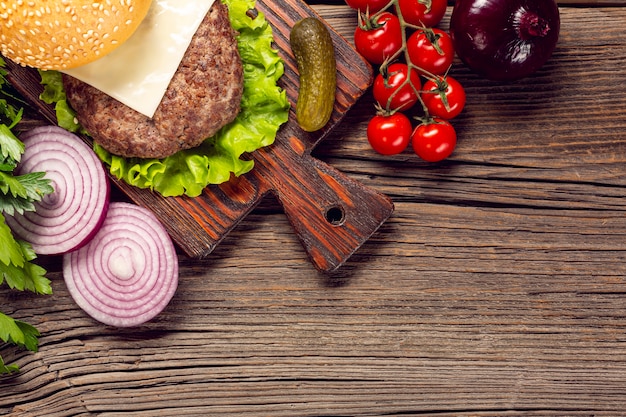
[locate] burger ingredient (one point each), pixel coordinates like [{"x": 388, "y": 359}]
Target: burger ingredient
[
  {"x": 505, "y": 40},
  {"x": 431, "y": 51},
  {"x": 434, "y": 140},
  {"x": 392, "y": 88},
  {"x": 145, "y": 64},
  {"x": 67, "y": 218},
  {"x": 443, "y": 97},
  {"x": 368, "y": 6},
  {"x": 33, "y": 32},
  {"x": 213, "y": 82},
  {"x": 389, "y": 134},
  {"x": 128, "y": 273},
  {"x": 423, "y": 13},
  {"x": 314, "y": 52},
  {"x": 18, "y": 193},
  {"x": 264, "y": 108},
  {"x": 415, "y": 69},
  {"x": 378, "y": 38}
]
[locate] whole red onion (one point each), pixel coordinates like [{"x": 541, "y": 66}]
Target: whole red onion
[{"x": 505, "y": 40}]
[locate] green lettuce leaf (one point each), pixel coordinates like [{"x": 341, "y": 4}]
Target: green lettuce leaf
[
  {"x": 54, "y": 93},
  {"x": 264, "y": 108}
]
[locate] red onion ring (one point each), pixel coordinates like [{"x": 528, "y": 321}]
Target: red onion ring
[
  {"x": 128, "y": 272},
  {"x": 67, "y": 218}
]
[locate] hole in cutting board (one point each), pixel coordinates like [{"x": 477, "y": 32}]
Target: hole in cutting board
[{"x": 335, "y": 215}]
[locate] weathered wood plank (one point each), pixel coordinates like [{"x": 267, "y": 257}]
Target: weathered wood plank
[{"x": 496, "y": 288}]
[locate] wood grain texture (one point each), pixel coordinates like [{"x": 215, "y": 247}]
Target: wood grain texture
[{"x": 495, "y": 289}]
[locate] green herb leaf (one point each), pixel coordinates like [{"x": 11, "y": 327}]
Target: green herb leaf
[
  {"x": 7, "y": 369},
  {"x": 18, "y": 332},
  {"x": 10, "y": 249},
  {"x": 16, "y": 267},
  {"x": 18, "y": 193},
  {"x": 11, "y": 148}
]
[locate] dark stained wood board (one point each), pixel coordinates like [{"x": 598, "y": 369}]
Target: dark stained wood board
[{"x": 332, "y": 214}]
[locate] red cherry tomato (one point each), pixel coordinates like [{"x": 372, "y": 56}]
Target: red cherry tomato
[
  {"x": 434, "y": 141},
  {"x": 436, "y": 93},
  {"x": 431, "y": 50},
  {"x": 420, "y": 13},
  {"x": 392, "y": 89},
  {"x": 378, "y": 38},
  {"x": 367, "y": 6},
  {"x": 389, "y": 134}
]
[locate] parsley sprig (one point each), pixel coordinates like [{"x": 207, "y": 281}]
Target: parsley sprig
[{"x": 18, "y": 193}]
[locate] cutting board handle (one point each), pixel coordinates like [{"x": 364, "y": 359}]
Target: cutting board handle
[{"x": 332, "y": 214}]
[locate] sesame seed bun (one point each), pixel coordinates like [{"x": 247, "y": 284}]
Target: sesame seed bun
[{"x": 63, "y": 34}]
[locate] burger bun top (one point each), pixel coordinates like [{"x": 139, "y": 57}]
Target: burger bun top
[{"x": 64, "y": 34}]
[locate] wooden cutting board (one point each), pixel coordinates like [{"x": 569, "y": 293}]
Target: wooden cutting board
[{"x": 332, "y": 214}]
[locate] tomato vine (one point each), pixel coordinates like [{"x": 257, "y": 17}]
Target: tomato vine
[{"x": 413, "y": 58}]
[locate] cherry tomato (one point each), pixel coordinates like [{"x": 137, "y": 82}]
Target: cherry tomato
[
  {"x": 367, "y": 6},
  {"x": 389, "y": 134},
  {"x": 378, "y": 38},
  {"x": 426, "y": 13},
  {"x": 436, "y": 93},
  {"x": 392, "y": 89},
  {"x": 434, "y": 141},
  {"x": 431, "y": 50}
]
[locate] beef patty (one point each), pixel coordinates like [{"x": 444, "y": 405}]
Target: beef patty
[{"x": 204, "y": 95}]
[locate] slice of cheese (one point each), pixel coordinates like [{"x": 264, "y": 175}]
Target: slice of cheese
[{"x": 138, "y": 72}]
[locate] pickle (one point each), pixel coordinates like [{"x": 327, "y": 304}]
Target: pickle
[{"x": 313, "y": 49}]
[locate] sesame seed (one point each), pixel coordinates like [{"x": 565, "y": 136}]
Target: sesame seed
[{"x": 68, "y": 30}]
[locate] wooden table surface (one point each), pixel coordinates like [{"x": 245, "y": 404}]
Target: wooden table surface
[{"x": 497, "y": 287}]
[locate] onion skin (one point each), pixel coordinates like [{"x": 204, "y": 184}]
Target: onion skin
[{"x": 505, "y": 40}]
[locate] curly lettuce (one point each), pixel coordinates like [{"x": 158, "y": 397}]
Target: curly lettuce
[{"x": 264, "y": 108}]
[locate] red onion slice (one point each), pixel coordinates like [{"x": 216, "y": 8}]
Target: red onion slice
[
  {"x": 128, "y": 273},
  {"x": 67, "y": 218}
]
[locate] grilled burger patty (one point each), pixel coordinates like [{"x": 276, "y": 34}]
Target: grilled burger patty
[{"x": 204, "y": 95}]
